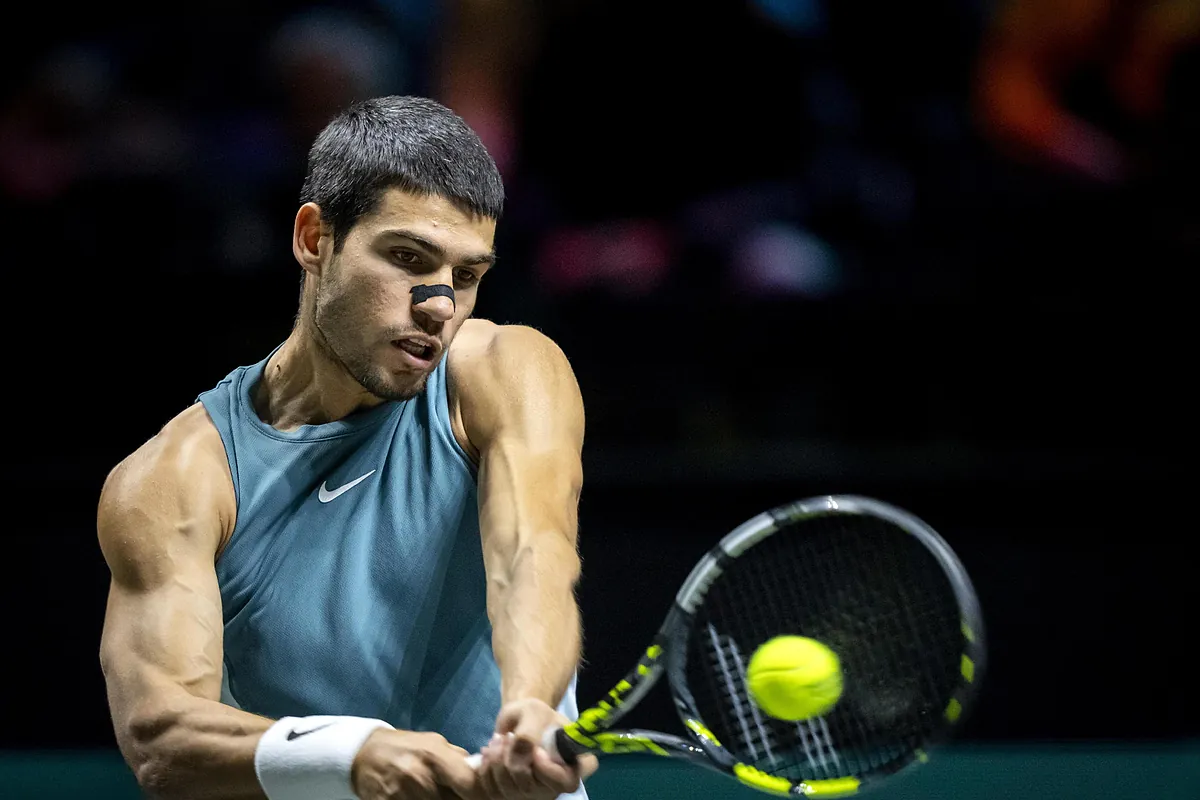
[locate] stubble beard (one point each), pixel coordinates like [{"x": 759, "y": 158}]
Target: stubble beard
[{"x": 331, "y": 324}]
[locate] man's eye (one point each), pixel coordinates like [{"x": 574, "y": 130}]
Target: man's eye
[
  {"x": 407, "y": 257},
  {"x": 466, "y": 277}
]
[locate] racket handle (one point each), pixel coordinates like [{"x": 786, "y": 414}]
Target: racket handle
[
  {"x": 550, "y": 741},
  {"x": 560, "y": 746}
]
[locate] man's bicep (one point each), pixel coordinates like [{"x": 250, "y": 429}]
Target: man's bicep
[
  {"x": 163, "y": 624},
  {"x": 523, "y": 411},
  {"x": 528, "y": 490},
  {"x": 529, "y": 425}
]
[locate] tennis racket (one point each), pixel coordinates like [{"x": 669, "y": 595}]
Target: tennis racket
[{"x": 875, "y": 584}]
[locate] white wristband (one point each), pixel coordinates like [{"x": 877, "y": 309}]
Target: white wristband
[{"x": 309, "y": 758}]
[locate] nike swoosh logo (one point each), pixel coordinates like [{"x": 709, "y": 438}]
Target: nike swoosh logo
[
  {"x": 325, "y": 495},
  {"x": 294, "y": 734}
]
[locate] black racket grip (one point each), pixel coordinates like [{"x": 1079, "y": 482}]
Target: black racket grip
[{"x": 557, "y": 743}]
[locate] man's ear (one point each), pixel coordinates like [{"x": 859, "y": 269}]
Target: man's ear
[{"x": 309, "y": 235}]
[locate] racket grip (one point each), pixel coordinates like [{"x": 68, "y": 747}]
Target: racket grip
[
  {"x": 550, "y": 741},
  {"x": 560, "y": 746}
]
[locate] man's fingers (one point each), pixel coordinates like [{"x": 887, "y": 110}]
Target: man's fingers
[
  {"x": 502, "y": 782},
  {"x": 587, "y": 765},
  {"x": 455, "y": 772},
  {"x": 419, "y": 784},
  {"x": 508, "y": 720},
  {"x": 554, "y": 775},
  {"x": 519, "y": 754},
  {"x": 518, "y": 762},
  {"x": 526, "y": 738},
  {"x": 491, "y": 786}
]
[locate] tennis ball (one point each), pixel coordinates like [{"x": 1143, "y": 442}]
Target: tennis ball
[{"x": 794, "y": 678}]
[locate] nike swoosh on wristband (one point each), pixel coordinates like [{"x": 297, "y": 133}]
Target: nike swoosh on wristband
[
  {"x": 295, "y": 734},
  {"x": 325, "y": 495}
]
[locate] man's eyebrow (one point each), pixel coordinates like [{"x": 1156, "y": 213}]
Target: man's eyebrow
[{"x": 439, "y": 251}]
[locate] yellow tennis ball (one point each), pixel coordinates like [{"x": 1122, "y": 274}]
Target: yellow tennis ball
[{"x": 794, "y": 678}]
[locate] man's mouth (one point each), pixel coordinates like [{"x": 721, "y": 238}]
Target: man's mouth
[
  {"x": 422, "y": 353},
  {"x": 416, "y": 348}
]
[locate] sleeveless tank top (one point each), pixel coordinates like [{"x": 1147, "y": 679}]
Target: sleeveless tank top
[{"x": 353, "y": 582}]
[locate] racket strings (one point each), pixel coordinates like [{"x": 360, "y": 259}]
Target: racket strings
[
  {"x": 872, "y": 593},
  {"x": 834, "y": 622}
]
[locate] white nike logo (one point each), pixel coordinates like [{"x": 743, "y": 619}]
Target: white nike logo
[{"x": 324, "y": 495}]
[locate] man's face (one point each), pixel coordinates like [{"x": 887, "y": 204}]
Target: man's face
[{"x": 386, "y": 337}]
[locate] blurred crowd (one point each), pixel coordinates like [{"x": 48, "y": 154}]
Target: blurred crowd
[
  {"x": 768, "y": 146},
  {"x": 669, "y": 158}
]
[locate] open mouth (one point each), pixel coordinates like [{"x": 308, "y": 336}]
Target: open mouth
[{"x": 418, "y": 350}]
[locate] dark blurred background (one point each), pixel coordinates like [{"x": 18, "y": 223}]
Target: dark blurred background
[{"x": 935, "y": 252}]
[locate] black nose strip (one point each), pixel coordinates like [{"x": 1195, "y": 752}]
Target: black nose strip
[{"x": 422, "y": 293}]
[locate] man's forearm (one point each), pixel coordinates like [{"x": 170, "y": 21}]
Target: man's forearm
[
  {"x": 536, "y": 625},
  {"x": 194, "y": 748}
]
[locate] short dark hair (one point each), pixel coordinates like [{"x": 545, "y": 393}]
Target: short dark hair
[{"x": 410, "y": 143}]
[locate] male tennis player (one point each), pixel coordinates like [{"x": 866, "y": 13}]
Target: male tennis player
[{"x": 353, "y": 562}]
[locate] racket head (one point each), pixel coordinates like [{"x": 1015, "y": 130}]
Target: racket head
[{"x": 874, "y": 583}]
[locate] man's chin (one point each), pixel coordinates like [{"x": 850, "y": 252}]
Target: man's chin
[
  {"x": 408, "y": 389},
  {"x": 395, "y": 387}
]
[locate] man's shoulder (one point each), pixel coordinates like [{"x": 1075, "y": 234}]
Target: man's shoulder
[
  {"x": 176, "y": 487},
  {"x": 186, "y": 454},
  {"x": 505, "y": 377},
  {"x": 482, "y": 344}
]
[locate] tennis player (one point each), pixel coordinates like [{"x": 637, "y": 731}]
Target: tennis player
[{"x": 350, "y": 564}]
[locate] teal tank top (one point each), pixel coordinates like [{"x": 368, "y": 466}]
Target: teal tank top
[{"x": 353, "y": 582}]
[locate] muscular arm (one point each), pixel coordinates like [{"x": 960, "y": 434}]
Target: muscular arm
[
  {"x": 522, "y": 411},
  {"x": 162, "y": 515}
]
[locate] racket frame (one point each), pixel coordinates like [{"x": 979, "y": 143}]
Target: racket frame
[{"x": 593, "y": 731}]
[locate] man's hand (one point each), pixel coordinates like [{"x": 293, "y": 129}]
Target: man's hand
[
  {"x": 406, "y": 765},
  {"x": 516, "y": 766}
]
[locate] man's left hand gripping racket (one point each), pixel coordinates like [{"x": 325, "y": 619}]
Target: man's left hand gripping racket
[{"x": 873, "y": 583}]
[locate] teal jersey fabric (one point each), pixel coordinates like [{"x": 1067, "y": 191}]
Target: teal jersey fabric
[{"x": 353, "y": 582}]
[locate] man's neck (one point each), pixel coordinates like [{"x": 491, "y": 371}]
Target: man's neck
[{"x": 303, "y": 385}]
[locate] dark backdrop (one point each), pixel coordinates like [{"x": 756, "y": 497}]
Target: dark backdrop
[{"x": 986, "y": 341}]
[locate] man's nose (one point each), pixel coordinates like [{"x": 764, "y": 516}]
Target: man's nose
[{"x": 436, "y": 301}]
